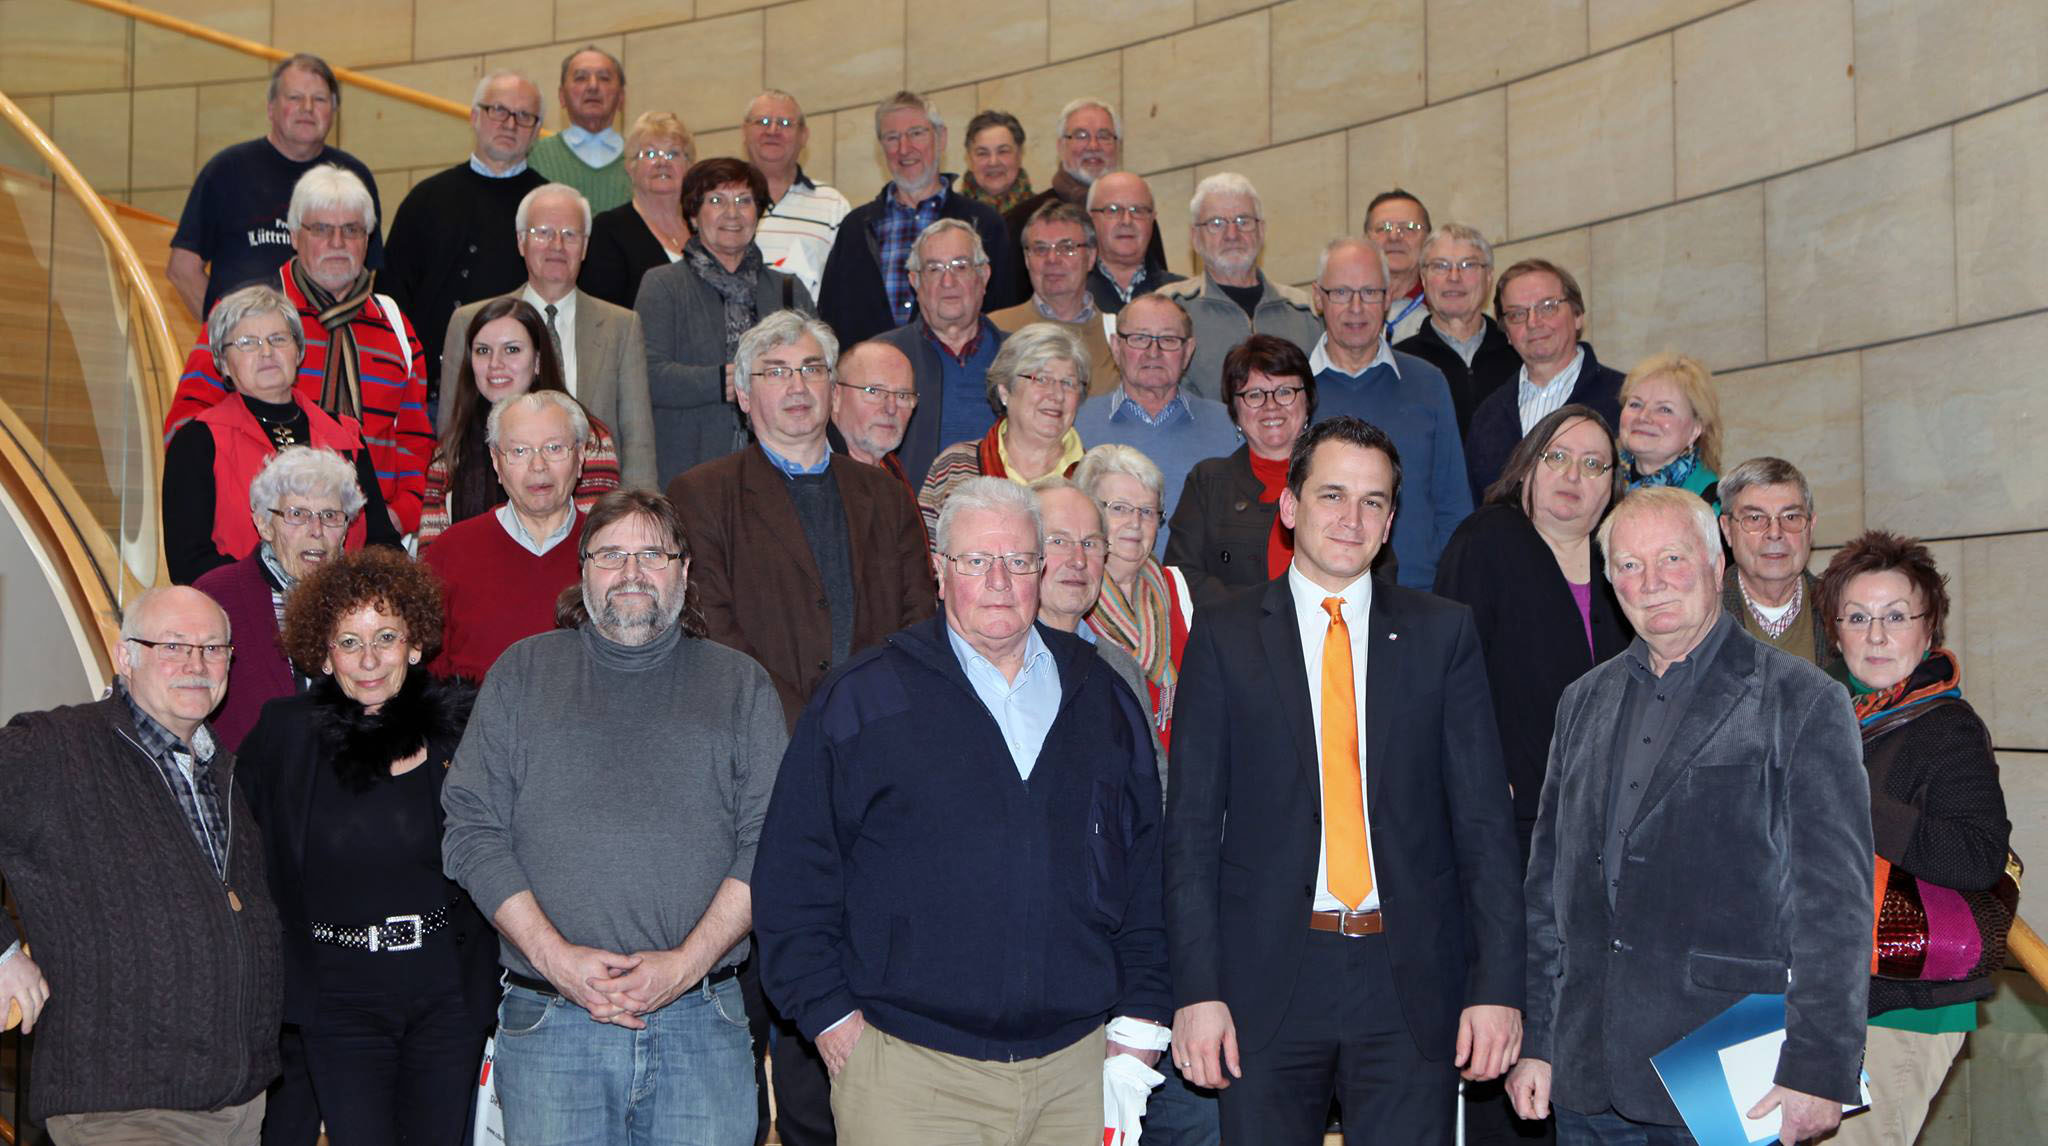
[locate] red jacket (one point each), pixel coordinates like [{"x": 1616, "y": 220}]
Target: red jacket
[
  {"x": 240, "y": 451},
  {"x": 394, "y": 399}
]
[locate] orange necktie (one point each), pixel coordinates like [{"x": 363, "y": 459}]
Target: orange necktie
[{"x": 1349, "y": 863}]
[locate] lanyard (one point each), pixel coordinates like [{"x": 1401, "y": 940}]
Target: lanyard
[{"x": 1405, "y": 312}]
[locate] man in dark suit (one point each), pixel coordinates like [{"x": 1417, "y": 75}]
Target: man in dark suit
[
  {"x": 602, "y": 349},
  {"x": 866, "y": 289},
  {"x": 1341, "y": 868},
  {"x": 800, "y": 557},
  {"x": 1704, "y": 835}
]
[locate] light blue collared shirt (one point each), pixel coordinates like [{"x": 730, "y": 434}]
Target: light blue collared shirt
[
  {"x": 1122, "y": 405},
  {"x": 792, "y": 469},
  {"x": 1025, "y": 709},
  {"x": 538, "y": 546},
  {"x": 477, "y": 165},
  {"x": 595, "y": 148}
]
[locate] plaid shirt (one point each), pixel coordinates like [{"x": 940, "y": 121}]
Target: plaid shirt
[
  {"x": 197, "y": 794},
  {"x": 897, "y": 227}
]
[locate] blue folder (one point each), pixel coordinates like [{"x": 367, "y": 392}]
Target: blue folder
[{"x": 1693, "y": 1072}]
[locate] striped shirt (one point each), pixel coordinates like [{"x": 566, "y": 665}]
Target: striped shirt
[
  {"x": 1535, "y": 401},
  {"x": 796, "y": 235}
]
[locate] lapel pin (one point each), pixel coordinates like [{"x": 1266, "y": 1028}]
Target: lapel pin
[{"x": 1393, "y": 636}]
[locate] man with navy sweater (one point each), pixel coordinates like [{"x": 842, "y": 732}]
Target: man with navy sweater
[{"x": 958, "y": 881}]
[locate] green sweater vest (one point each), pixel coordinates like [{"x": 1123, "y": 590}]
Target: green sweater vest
[{"x": 606, "y": 187}]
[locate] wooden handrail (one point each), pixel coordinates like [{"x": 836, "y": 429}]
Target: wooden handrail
[
  {"x": 68, "y": 545},
  {"x": 156, "y": 330},
  {"x": 233, "y": 43}
]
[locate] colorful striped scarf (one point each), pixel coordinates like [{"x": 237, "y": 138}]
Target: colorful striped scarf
[
  {"x": 341, "y": 387},
  {"x": 1143, "y": 628}
]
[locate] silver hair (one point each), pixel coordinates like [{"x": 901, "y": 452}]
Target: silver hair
[
  {"x": 327, "y": 187},
  {"x": 1031, "y": 347},
  {"x": 548, "y": 191},
  {"x": 1115, "y": 458},
  {"x": 783, "y": 328},
  {"x": 914, "y": 261},
  {"x": 1459, "y": 233},
  {"x": 1764, "y": 471},
  {"x": 1054, "y": 481},
  {"x": 1329, "y": 248},
  {"x": 1224, "y": 183},
  {"x": 1669, "y": 499},
  {"x": 579, "y": 422},
  {"x": 131, "y": 616},
  {"x": 307, "y": 471},
  {"x": 909, "y": 99},
  {"x": 1060, "y": 211},
  {"x": 777, "y": 93},
  {"x": 483, "y": 87},
  {"x": 1116, "y": 122},
  {"x": 239, "y": 306},
  {"x": 995, "y": 494}
]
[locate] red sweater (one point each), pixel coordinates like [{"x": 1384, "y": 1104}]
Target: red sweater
[{"x": 495, "y": 592}]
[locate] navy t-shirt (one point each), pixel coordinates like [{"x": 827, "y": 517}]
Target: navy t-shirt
[{"x": 234, "y": 217}]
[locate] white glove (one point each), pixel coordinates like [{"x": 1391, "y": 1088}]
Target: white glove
[{"x": 1126, "y": 1084}]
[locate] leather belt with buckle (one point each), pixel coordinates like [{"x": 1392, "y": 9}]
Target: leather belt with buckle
[
  {"x": 395, "y": 933},
  {"x": 543, "y": 987},
  {"x": 1350, "y": 924}
]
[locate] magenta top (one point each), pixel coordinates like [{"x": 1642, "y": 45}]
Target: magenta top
[{"x": 1583, "y": 594}]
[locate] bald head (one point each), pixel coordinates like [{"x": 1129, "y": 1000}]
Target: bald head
[
  {"x": 162, "y": 660},
  {"x": 1122, "y": 236},
  {"x": 872, "y": 403}
]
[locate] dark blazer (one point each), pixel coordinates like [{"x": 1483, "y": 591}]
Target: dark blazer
[
  {"x": 620, "y": 253},
  {"x": 756, "y": 579},
  {"x": 281, "y": 754},
  {"x": 1497, "y": 423},
  {"x": 1245, "y": 773},
  {"x": 1495, "y": 364},
  {"x": 1530, "y": 629},
  {"x": 921, "y": 441},
  {"x": 853, "y": 299},
  {"x": 684, "y": 320},
  {"x": 1220, "y": 528},
  {"x": 259, "y": 672},
  {"x": 1748, "y": 860}
]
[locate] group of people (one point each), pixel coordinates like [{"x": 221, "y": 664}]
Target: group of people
[{"x": 1044, "y": 676}]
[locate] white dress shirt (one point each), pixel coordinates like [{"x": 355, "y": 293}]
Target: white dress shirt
[
  {"x": 1315, "y": 627},
  {"x": 565, "y": 330}
]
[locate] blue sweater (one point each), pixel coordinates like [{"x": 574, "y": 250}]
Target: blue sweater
[
  {"x": 906, "y": 870},
  {"x": 1189, "y": 430},
  {"x": 1415, "y": 410}
]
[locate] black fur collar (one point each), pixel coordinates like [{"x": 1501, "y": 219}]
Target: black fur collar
[{"x": 426, "y": 711}]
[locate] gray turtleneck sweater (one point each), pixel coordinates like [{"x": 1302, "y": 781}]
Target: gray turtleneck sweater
[{"x": 621, "y": 785}]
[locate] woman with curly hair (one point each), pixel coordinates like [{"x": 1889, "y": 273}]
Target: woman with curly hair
[
  {"x": 1936, "y": 811},
  {"x": 390, "y": 971}
]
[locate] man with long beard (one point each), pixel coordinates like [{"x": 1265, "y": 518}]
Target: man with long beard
[{"x": 603, "y": 810}]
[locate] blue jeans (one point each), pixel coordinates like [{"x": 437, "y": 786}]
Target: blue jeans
[
  {"x": 1611, "y": 1129},
  {"x": 686, "y": 1080}
]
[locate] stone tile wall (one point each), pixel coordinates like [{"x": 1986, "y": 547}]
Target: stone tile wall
[{"x": 1842, "y": 205}]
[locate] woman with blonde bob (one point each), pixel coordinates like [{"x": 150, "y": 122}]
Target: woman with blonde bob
[{"x": 1670, "y": 426}]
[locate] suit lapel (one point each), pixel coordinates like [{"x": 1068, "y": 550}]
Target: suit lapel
[
  {"x": 593, "y": 372},
  {"x": 766, "y": 502},
  {"x": 1280, "y": 634},
  {"x": 1386, "y": 666},
  {"x": 1722, "y": 685}
]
